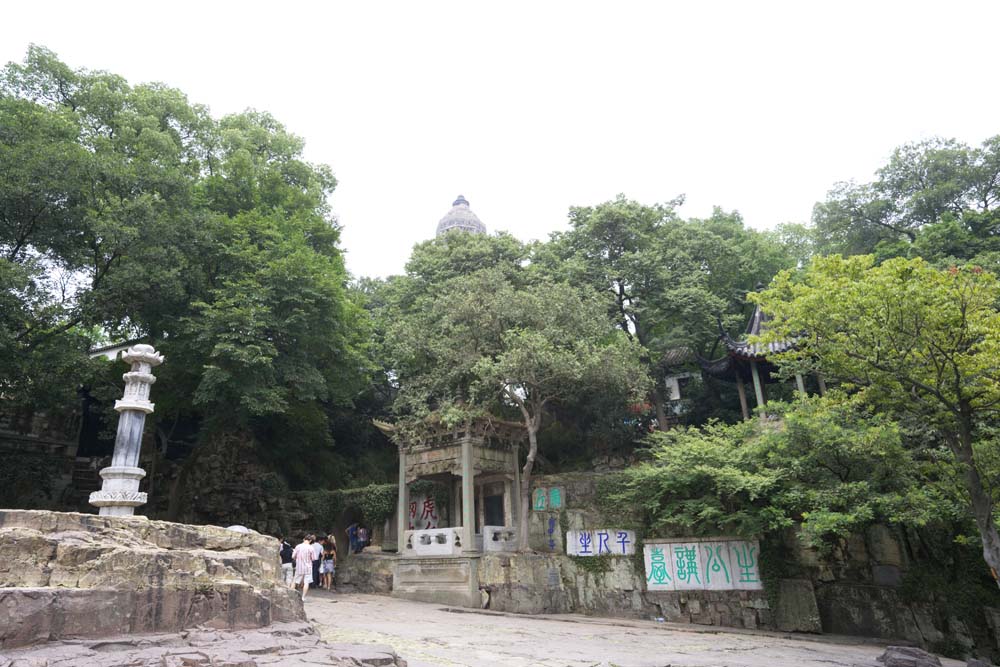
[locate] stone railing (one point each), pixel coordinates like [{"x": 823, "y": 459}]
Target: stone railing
[
  {"x": 499, "y": 538},
  {"x": 434, "y": 542}
]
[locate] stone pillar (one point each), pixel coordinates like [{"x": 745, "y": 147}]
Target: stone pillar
[
  {"x": 822, "y": 384},
  {"x": 508, "y": 504},
  {"x": 402, "y": 505},
  {"x": 800, "y": 384},
  {"x": 468, "y": 498},
  {"x": 481, "y": 512},
  {"x": 119, "y": 494}
]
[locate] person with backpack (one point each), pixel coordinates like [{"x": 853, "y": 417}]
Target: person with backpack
[{"x": 287, "y": 562}]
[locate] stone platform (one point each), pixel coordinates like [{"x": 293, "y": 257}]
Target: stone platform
[
  {"x": 450, "y": 581},
  {"x": 76, "y": 576}
]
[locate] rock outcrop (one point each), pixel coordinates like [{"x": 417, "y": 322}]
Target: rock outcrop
[
  {"x": 908, "y": 656},
  {"x": 71, "y": 576},
  {"x": 280, "y": 645}
]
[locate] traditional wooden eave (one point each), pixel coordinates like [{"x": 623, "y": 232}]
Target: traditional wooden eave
[{"x": 432, "y": 433}]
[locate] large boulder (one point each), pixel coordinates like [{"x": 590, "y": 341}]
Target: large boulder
[{"x": 69, "y": 575}]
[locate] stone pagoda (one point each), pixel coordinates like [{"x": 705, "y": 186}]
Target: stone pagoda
[{"x": 460, "y": 218}]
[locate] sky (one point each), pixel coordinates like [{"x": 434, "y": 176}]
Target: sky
[{"x": 528, "y": 108}]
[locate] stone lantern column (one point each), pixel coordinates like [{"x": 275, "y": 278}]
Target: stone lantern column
[{"x": 119, "y": 495}]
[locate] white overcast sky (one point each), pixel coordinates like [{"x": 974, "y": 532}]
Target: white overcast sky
[{"x": 528, "y": 108}]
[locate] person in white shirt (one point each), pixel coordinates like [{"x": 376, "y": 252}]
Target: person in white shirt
[{"x": 303, "y": 555}]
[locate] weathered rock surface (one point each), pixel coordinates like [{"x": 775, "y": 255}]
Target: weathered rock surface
[
  {"x": 280, "y": 645},
  {"x": 68, "y": 575},
  {"x": 797, "y": 610},
  {"x": 367, "y": 572},
  {"x": 908, "y": 656}
]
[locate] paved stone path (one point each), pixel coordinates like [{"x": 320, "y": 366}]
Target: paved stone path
[{"x": 428, "y": 635}]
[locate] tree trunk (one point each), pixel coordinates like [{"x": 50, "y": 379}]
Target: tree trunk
[
  {"x": 982, "y": 501},
  {"x": 525, "y": 490}
]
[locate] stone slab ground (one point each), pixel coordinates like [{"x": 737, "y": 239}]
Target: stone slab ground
[{"x": 427, "y": 635}]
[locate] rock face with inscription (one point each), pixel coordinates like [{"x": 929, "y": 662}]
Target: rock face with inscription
[{"x": 68, "y": 576}]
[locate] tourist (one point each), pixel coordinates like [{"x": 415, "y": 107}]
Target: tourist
[
  {"x": 329, "y": 565},
  {"x": 303, "y": 555},
  {"x": 362, "y": 539},
  {"x": 317, "y": 558},
  {"x": 287, "y": 562},
  {"x": 352, "y": 538}
]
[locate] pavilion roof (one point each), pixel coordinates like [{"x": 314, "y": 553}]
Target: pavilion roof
[
  {"x": 755, "y": 351},
  {"x": 741, "y": 352}
]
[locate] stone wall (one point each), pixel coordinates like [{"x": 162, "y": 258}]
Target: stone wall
[
  {"x": 856, "y": 588},
  {"x": 609, "y": 586},
  {"x": 68, "y": 575}
]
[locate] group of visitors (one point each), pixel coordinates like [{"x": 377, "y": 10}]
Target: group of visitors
[
  {"x": 312, "y": 563},
  {"x": 358, "y": 537}
]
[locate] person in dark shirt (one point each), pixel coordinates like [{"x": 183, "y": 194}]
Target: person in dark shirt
[{"x": 287, "y": 565}]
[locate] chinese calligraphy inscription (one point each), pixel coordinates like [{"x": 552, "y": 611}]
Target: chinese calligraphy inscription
[
  {"x": 599, "y": 542},
  {"x": 716, "y": 565}
]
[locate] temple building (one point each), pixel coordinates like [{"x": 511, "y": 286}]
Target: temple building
[{"x": 461, "y": 218}]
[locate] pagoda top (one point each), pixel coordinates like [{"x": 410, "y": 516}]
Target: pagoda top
[{"x": 462, "y": 218}]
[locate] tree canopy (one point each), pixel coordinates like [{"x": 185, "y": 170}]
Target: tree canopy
[
  {"x": 128, "y": 212},
  {"x": 908, "y": 339}
]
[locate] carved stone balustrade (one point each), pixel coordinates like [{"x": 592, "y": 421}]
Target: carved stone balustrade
[
  {"x": 434, "y": 542},
  {"x": 499, "y": 538}
]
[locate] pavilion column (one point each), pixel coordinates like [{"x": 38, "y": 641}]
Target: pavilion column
[
  {"x": 402, "y": 505},
  {"x": 822, "y": 384},
  {"x": 455, "y": 516},
  {"x": 508, "y": 504},
  {"x": 758, "y": 388},
  {"x": 800, "y": 384},
  {"x": 468, "y": 498},
  {"x": 742, "y": 391},
  {"x": 481, "y": 506},
  {"x": 119, "y": 494},
  {"x": 516, "y": 497}
]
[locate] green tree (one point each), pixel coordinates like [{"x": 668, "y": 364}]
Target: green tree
[
  {"x": 669, "y": 280},
  {"x": 911, "y": 339},
  {"x": 127, "y": 212},
  {"x": 483, "y": 343},
  {"x": 830, "y": 465},
  {"x": 940, "y": 189}
]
